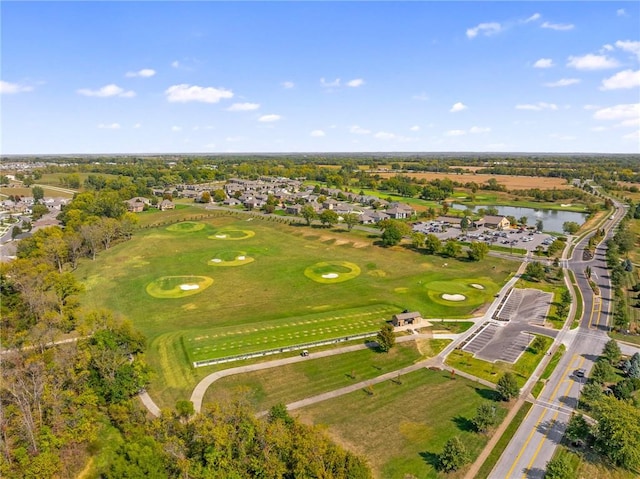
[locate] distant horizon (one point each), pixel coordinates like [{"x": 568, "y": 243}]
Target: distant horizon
[{"x": 279, "y": 77}]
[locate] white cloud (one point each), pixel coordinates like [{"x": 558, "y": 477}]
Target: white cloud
[
  {"x": 479, "y": 129},
  {"x": 592, "y": 62},
  {"x": 543, "y": 63},
  {"x": 621, "y": 12},
  {"x": 563, "y": 82},
  {"x": 632, "y": 136},
  {"x": 622, "y": 80},
  {"x": 330, "y": 84},
  {"x": 557, "y": 26},
  {"x": 317, "y": 133},
  {"x": 415, "y": 128},
  {"x": 533, "y": 18},
  {"x": 455, "y": 133},
  {"x": 537, "y": 106},
  {"x": 486, "y": 29},
  {"x": 629, "y": 46},
  {"x": 269, "y": 118},
  {"x": 244, "y": 107},
  {"x": 630, "y": 122},
  {"x": 356, "y": 82},
  {"x": 7, "y": 88},
  {"x": 358, "y": 130},
  {"x": 184, "y": 93},
  {"x": 607, "y": 48},
  {"x": 599, "y": 128},
  {"x": 175, "y": 64},
  {"x": 107, "y": 91},
  {"x": 385, "y": 135},
  {"x": 618, "y": 112},
  {"x": 422, "y": 96},
  {"x": 109, "y": 126},
  {"x": 288, "y": 84},
  {"x": 137, "y": 125},
  {"x": 144, "y": 73},
  {"x": 458, "y": 107},
  {"x": 176, "y": 128}
]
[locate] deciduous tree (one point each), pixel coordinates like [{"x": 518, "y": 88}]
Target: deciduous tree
[{"x": 508, "y": 387}]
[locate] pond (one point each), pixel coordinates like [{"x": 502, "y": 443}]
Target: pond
[{"x": 552, "y": 220}]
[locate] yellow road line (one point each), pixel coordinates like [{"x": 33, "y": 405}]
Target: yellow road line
[
  {"x": 544, "y": 411},
  {"x": 537, "y": 451}
]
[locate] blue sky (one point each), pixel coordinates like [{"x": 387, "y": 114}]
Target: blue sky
[{"x": 216, "y": 77}]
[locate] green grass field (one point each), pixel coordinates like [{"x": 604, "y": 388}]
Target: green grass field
[
  {"x": 270, "y": 291},
  {"x": 285, "y": 384},
  {"x": 414, "y": 417}
]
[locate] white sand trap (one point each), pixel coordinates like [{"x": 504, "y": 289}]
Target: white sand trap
[
  {"x": 566, "y": 205},
  {"x": 221, "y": 236},
  {"x": 240, "y": 258},
  {"x": 330, "y": 275},
  {"x": 454, "y": 297},
  {"x": 477, "y": 286},
  {"x": 189, "y": 287},
  {"x": 216, "y": 260}
]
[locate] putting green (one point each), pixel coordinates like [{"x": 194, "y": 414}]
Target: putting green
[
  {"x": 178, "y": 286},
  {"x": 232, "y": 234},
  {"x": 186, "y": 227},
  {"x": 460, "y": 292},
  {"x": 229, "y": 258},
  {"x": 328, "y": 272}
]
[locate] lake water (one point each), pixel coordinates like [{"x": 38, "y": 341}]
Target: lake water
[{"x": 552, "y": 220}]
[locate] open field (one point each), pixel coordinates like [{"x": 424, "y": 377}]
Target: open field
[
  {"x": 413, "y": 419},
  {"x": 271, "y": 291},
  {"x": 48, "y": 192},
  {"x": 293, "y": 382},
  {"x": 511, "y": 182}
]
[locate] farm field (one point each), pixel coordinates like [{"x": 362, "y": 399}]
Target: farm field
[
  {"x": 413, "y": 420},
  {"x": 167, "y": 281},
  {"x": 511, "y": 182},
  {"x": 48, "y": 192}
]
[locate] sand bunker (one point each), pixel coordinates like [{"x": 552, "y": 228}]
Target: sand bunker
[
  {"x": 216, "y": 260},
  {"x": 477, "y": 286},
  {"x": 454, "y": 297},
  {"x": 189, "y": 287},
  {"x": 221, "y": 236},
  {"x": 241, "y": 258},
  {"x": 330, "y": 275}
]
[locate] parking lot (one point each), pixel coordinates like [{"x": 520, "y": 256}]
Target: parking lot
[
  {"x": 516, "y": 238},
  {"x": 521, "y": 316}
]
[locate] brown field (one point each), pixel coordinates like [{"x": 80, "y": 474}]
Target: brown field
[
  {"x": 22, "y": 191},
  {"x": 509, "y": 181},
  {"x": 469, "y": 168}
]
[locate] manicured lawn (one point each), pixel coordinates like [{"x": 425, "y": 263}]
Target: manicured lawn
[
  {"x": 401, "y": 427},
  {"x": 522, "y": 369},
  {"x": 48, "y": 192},
  {"x": 247, "y": 296},
  {"x": 293, "y": 382}
]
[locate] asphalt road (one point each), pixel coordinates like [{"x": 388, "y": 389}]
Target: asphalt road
[{"x": 541, "y": 431}]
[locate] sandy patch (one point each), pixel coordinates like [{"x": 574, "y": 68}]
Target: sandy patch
[
  {"x": 330, "y": 275},
  {"x": 189, "y": 287},
  {"x": 566, "y": 205},
  {"x": 240, "y": 258},
  {"x": 221, "y": 236},
  {"x": 454, "y": 297},
  {"x": 216, "y": 260},
  {"x": 477, "y": 286}
]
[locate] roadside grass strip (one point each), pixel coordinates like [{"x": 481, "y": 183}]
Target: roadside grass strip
[
  {"x": 186, "y": 227},
  {"x": 232, "y": 234},
  {"x": 328, "y": 272},
  {"x": 229, "y": 258},
  {"x": 216, "y": 343},
  {"x": 174, "y": 287}
]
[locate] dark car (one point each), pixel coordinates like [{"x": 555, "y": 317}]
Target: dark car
[{"x": 580, "y": 373}]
